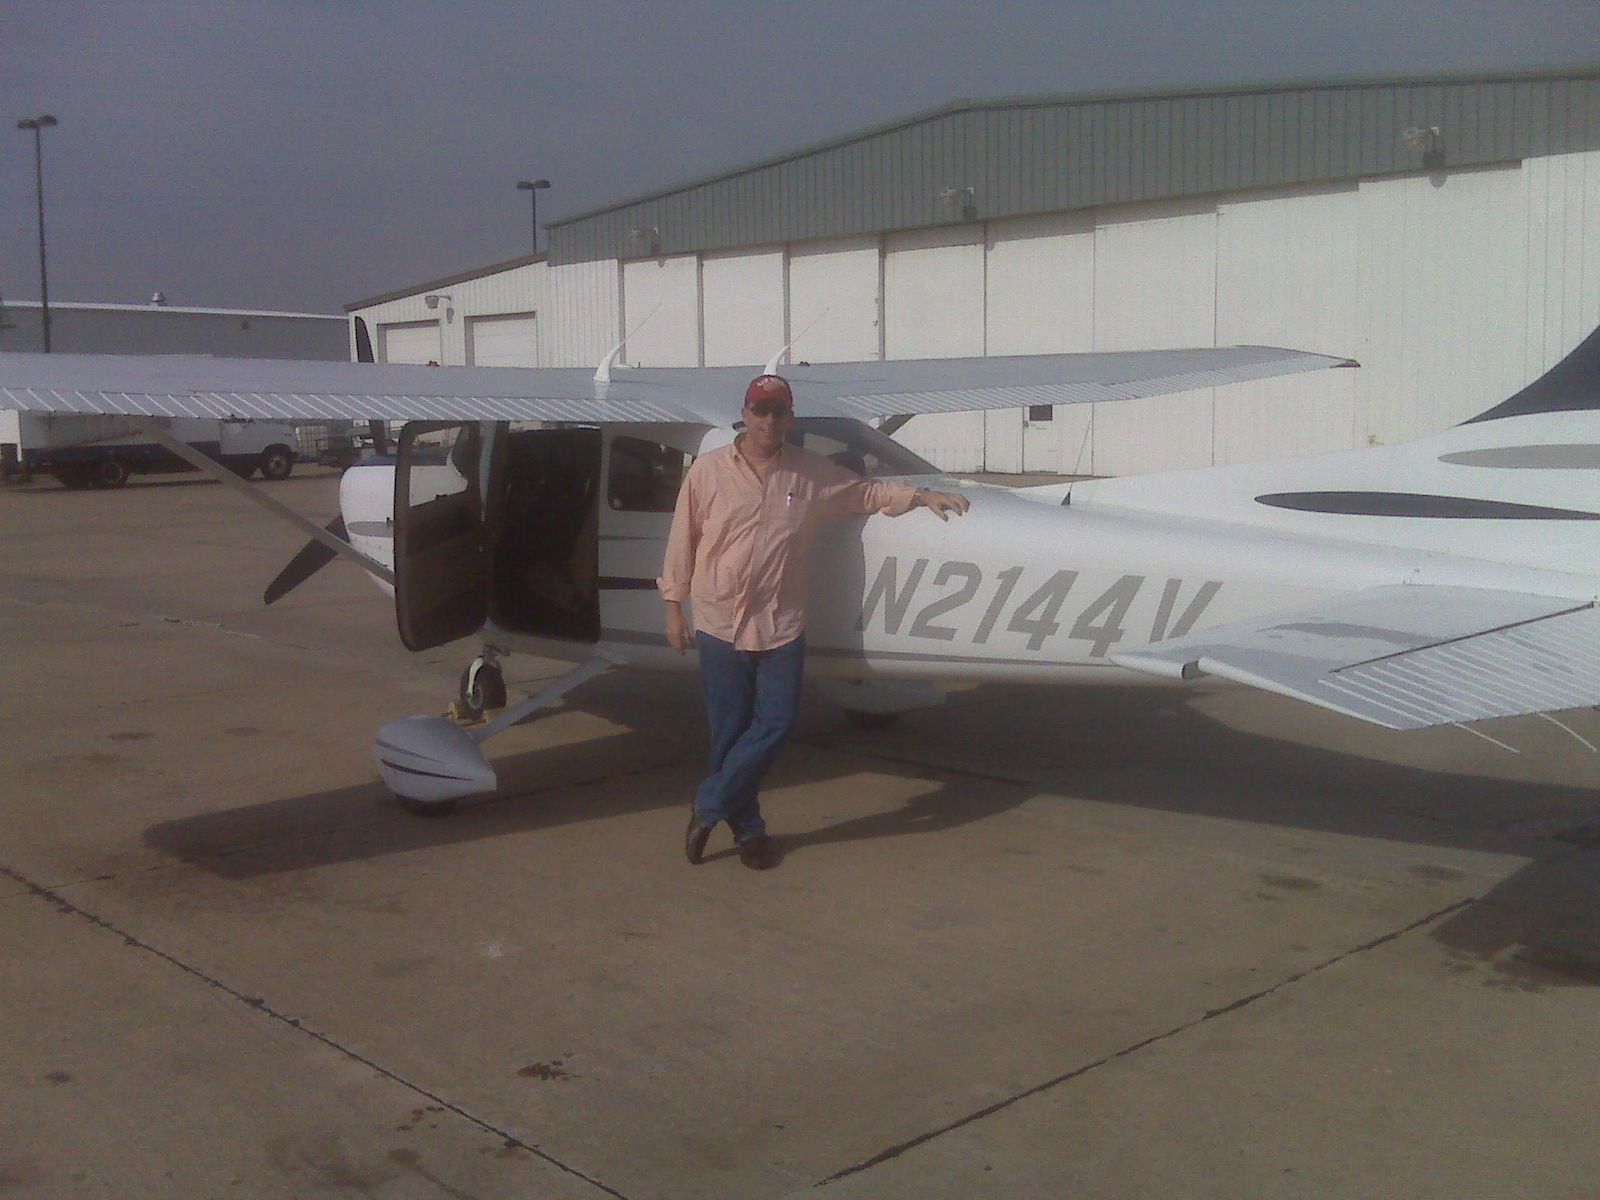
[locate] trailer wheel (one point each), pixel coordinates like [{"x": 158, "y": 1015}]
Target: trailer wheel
[
  {"x": 276, "y": 463},
  {"x": 109, "y": 473}
]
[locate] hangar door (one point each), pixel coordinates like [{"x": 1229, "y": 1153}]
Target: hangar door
[
  {"x": 661, "y": 311},
  {"x": 503, "y": 341},
  {"x": 411, "y": 342}
]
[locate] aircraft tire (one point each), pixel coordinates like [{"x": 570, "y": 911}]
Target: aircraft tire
[
  {"x": 277, "y": 463},
  {"x": 490, "y": 691},
  {"x": 870, "y": 720}
]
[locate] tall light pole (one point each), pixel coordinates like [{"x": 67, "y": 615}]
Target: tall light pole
[
  {"x": 532, "y": 187},
  {"x": 38, "y": 124}
]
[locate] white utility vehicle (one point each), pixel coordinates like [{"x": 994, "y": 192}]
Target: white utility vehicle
[{"x": 92, "y": 452}]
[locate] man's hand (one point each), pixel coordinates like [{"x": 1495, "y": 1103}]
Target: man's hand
[
  {"x": 945, "y": 504},
  {"x": 679, "y": 636}
]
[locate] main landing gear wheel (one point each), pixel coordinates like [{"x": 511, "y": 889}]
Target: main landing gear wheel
[{"x": 481, "y": 690}]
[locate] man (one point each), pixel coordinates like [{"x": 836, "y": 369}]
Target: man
[{"x": 746, "y": 516}]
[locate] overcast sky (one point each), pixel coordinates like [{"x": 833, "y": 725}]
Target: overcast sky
[{"x": 301, "y": 154}]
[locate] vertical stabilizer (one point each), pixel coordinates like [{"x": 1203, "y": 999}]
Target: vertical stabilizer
[{"x": 1570, "y": 385}]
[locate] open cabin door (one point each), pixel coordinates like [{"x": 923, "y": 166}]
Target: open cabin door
[
  {"x": 443, "y": 507},
  {"x": 545, "y": 561}
]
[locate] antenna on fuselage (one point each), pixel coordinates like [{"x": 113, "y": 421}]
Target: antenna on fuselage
[{"x": 602, "y": 373}]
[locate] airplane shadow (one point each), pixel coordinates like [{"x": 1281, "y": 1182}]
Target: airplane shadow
[{"x": 988, "y": 751}]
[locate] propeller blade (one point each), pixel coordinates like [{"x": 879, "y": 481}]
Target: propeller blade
[{"x": 313, "y": 556}]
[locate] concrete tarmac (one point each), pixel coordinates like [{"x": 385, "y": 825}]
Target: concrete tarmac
[{"x": 1118, "y": 943}]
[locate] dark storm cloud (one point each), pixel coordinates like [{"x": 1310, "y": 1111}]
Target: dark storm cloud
[{"x": 299, "y": 155}]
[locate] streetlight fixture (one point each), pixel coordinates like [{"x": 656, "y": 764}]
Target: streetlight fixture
[
  {"x": 533, "y": 187},
  {"x": 38, "y": 124}
]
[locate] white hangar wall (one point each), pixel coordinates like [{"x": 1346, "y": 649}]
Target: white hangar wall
[
  {"x": 501, "y": 317},
  {"x": 1453, "y": 289}
]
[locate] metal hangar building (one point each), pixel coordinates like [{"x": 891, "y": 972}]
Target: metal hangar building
[{"x": 1444, "y": 231}]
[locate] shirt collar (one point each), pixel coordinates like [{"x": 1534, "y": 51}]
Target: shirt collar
[{"x": 738, "y": 448}]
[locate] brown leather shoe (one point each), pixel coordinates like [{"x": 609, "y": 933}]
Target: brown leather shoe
[
  {"x": 695, "y": 838},
  {"x": 757, "y": 853}
]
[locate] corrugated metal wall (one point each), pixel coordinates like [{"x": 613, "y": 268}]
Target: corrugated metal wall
[
  {"x": 1046, "y": 154},
  {"x": 403, "y": 319}
]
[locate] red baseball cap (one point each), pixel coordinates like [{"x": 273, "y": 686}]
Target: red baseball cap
[{"x": 769, "y": 387}]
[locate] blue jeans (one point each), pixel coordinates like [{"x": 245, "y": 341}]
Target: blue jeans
[{"x": 752, "y": 697}]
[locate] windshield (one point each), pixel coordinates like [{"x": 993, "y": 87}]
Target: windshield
[{"x": 857, "y": 447}]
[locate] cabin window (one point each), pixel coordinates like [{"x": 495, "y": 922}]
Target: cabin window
[
  {"x": 1041, "y": 412},
  {"x": 645, "y": 475}
]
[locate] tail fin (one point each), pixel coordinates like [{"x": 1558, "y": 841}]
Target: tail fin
[{"x": 1570, "y": 385}]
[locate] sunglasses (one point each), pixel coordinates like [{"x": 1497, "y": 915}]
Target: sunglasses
[{"x": 768, "y": 408}]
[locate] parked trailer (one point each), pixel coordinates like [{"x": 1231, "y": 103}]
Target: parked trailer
[{"x": 103, "y": 452}]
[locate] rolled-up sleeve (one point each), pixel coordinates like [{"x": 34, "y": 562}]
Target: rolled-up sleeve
[
  {"x": 677, "y": 568},
  {"x": 873, "y": 496}
]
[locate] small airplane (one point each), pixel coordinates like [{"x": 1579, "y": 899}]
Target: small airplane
[{"x": 1447, "y": 580}]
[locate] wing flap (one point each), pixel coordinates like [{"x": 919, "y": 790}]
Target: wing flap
[
  {"x": 263, "y": 389},
  {"x": 1407, "y": 657}
]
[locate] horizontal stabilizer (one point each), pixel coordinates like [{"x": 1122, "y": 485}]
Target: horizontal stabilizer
[{"x": 1406, "y": 657}]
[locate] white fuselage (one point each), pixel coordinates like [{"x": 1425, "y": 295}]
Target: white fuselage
[{"x": 1028, "y": 588}]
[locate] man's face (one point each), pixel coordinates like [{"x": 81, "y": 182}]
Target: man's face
[{"x": 767, "y": 423}]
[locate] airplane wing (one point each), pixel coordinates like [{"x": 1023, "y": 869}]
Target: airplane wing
[
  {"x": 266, "y": 389},
  {"x": 1408, "y": 656}
]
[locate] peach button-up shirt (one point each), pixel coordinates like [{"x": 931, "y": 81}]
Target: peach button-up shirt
[{"x": 739, "y": 545}]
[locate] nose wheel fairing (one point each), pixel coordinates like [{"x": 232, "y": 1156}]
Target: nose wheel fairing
[{"x": 432, "y": 763}]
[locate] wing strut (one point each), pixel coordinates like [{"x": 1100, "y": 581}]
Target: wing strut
[{"x": 255, "y": 495}]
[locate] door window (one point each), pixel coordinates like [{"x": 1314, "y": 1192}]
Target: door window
[
  {"x": 645, "y": 475},
  {"x": 441, "y": 564}
]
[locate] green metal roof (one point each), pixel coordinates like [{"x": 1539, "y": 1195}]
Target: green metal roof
[{"x": 1053, "y": 153}]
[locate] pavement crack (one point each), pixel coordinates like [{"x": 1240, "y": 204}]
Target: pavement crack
[
  {"x": 52, "y": 897},
  {"x": 895, "y": 1151}
]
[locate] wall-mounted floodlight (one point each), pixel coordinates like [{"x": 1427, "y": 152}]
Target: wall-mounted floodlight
[
  {"x": 1426, "y": 142},
  {"x": 433, "y": 300},
  {"x": 961, "y": 200},
  {"x": 647, "y": 237}
]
